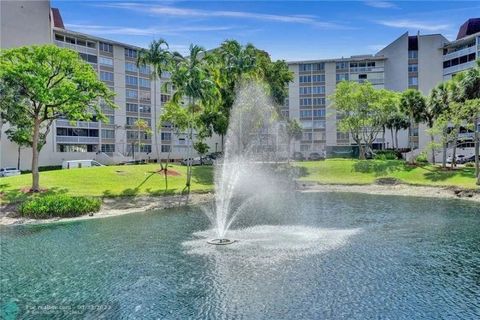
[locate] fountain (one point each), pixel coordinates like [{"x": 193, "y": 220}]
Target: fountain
[{"x": 255, "y": 140}]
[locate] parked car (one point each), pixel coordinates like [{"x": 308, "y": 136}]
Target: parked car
[
  {"x": 194, "y": 161},
  {"x": 315, "y": 156},
  {"x": 466, "y": 159},
  {"x": 298, "y": 156},
  {"x": 206, "y": 160},
  {"x": 459, "y": 158},
  {"x": 9, "y": 171}
]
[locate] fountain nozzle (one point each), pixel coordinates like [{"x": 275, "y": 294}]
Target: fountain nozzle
[{"x": 220, "y": 242}]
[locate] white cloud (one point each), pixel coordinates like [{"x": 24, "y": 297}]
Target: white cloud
[
  {"x": 121, "y": 30},
  {"x": 380, "y": 4},
  {"x": 417, "y": 25},
  {"x": 162, "y": 10}
]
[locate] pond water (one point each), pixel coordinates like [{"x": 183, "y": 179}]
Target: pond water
[{"x": 312, "y": 256}]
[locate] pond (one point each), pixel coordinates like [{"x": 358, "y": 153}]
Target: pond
[{"x": 330, "y": 255}]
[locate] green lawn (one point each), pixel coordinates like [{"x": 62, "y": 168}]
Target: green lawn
[
  {"x": 143, "y": 180},
  {"x": 347, "y": 171},
  {"x": 110, "y": 181}
]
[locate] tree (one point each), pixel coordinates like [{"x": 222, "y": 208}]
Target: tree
[
  {"x": 195, "y": 90},
  {"x": 361, "y": 112},
  {"x": 413, "y": 104},
  {"x": 160, "y": 58},
  {"x": 54, "y": 83},
  {"x": 438, "y": 103},
  {"x": 201, "y": 147},
  {"x": 294, "y": 132}
]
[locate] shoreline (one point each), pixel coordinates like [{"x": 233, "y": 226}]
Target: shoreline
[{"x": 112, "y": 207}]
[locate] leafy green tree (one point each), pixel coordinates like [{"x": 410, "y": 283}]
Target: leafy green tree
[
  {"x": 397, "y": 121},
  {"x": 438, "y": 102},
  {"x": 413, "y": 104},
  {"x": 160, "y": 58},
  {"x": 54, "y": 83},
  {"x": 294, "y": 132},
  {"x": 201, "y": 147}
]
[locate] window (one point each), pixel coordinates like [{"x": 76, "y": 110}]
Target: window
[
  {"x": 305, "y": 113},
  {"x": 305, "y": 67},
  {"x": 413, "y": 68},
  {"x": 319, "y": 113},
  {"x": 164, "y": 98},
  {"x": 371, "y": 64},
  {"x": 304, "y": 147},
  {"x": 412, "y": 54},
  {"x": 130, "y": 67},
  {"x": 88, "y": 57},
  {"x": 318, "y": 90},
  {"x": 82, "y": 43},
  {"x": 105, "y": 61},
  {"x": 144, "y": 69},
  {"x": 111, "y": 119},
  {"x": 70, "y": 40},
  {"x": 342, "y": 76},
  {"x": 341, "y": 65},
  {"x": 307, "y": 136},
  {"x": 306, "y": 124},
  {"x": 107, "y": 47},
  {"x": 130, "y": 53},
  {"x": 108, "y": 148},
  {"x": 145, "y": 95},
  {"x": 166, "y": 148},
  {"x": 76, "y": 148},
  {"x": 131, "y": 94},
  {"x": 77, "y": 132},
  {"x": 362, "y": 76},
  {"x": 413, "y": 81},
  {"x": 319, "y": 124},
  {"x": 305, "y": 90},
  {"x": 108, "y": 134},
  {"x": 131, "y": 121},
  {"x": 305, "y": 102},
  {"x": 145, "y": 148},
  {"x": 318, "y": 78},
  {"x": 131, "y": 81},
  {"x": 132, "y": 107},
  {"x": 305, "y": 79},
  {"x": 145, "y": 108},
  {"x": 132, "y": 134},
  {"x": 342, "y": 136},
  {"x": 166, "y": 136},
  {"x": 59, "y": 37},
  {"x": 106, "y": 76},
  {"x": 144, "y": 83},
  {"x": 318, "y": 66},
  {"x": 318, "y": 101}
]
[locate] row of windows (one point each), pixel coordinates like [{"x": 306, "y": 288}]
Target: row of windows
[
  {"x": 314, "y": 113},
  {"x": 131, "y": 53},
  {"x": 312, "y": 102},
  {"x": 132, "y": 120},
  {"x": 315, "y": 124},
  {"x": 77, "y": 132},
  {"x": 78, "y": 42},
  {"x": 343, "y": 136},
  {"x": 312, "y": 66},
  {"x": 136, "y": 134},
  {"x": 105, "y": 61},
  {"x": 166, "y": 136},
  {"x": 108, "y": 148},
  {"x": 342, "y": 76},
  {"x": 312, "y": 90},
  {"x": 77, "y": 147},
  {"x": 133, "y": 107},
  {"x": 88, "y": 57},
  {"x": 309, "y": 136},
  {"x": 139, "y": 148},
  {"x": 134, "y": 94},
  {"x": 166, "y": 148},
  {"x": 108, "y": 134},
  {"x": 314, "y": 78},
  {"x": 132, "y": 67},
  {"x": 460, "y": 60}
]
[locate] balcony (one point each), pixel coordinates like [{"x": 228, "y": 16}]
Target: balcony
[
  {"x": 459, "y": 53},
  {"x": 459, "y": 67},
  {"x": 80, "y": 140},
  {"x": 75, "y": 47},
  {"x": 366, "y": 69},
  {"x": 77, "y": 124}
]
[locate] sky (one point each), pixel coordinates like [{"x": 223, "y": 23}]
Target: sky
[{"x": 288, "y": 30}]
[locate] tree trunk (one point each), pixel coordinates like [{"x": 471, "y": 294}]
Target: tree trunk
[
  {"x": 432, "y": 140},
  {"x": 396, "y": 139},
  {"x": 35, "y": 174},
  {"x": 18, "y": 157},
  {"x": 156, "y": 119},
  {"x": 393, "y": 139},
  {"x": 383, "y": 137},
  {"x": 445, "y": 147},
  {"x": 454, "y": 153}
]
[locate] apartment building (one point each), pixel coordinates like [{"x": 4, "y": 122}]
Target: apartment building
[
  {"x": 138, "y": 97},
  {"x": 408, "y": 62}
]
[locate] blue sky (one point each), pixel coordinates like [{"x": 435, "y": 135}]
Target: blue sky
[{"x": 290, "y": 30}]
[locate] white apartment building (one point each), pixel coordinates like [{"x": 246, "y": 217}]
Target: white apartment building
[{"x": 137, "y": 96}]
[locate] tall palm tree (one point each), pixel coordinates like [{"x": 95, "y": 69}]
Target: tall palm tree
[
  {"x": 159, "y": 57},
  {"x": 413, "y": 104},
  {"x": 437, "y": 104},
  {"x": 194, "y": 85}
]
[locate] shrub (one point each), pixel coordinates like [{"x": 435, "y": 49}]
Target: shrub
[
  {"x": 470, "y": 164},
  {"x": 386, "y": 155},
  {"x": 64, "y": 206},
  {"x": 421, "y": 158}
]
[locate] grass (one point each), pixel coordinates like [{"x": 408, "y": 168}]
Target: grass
[
  {"x": 348, "y": 171},
  {"x": 109, "y": 181}
]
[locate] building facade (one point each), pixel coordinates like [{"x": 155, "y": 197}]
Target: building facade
[{"x": 130, "y": 133}]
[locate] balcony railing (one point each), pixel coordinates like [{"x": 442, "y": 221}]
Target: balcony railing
[
  {"x": 459, "y": 53},
  {"x": 68, "y": 139},
  {"x": 77, "y": 124},
  {"x": 459, "y": 67}
]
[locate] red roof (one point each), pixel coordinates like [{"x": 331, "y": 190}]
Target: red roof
[
  {"x": 57, "y": 18},
  {"x": 471, "y": 26}
]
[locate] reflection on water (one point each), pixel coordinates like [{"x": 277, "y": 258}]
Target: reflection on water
[{"x": 325, "y": 256}]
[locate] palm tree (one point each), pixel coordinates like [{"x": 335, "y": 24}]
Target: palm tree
[
  {"x": 437, "y": 103},
  {"x": 159, "y": 57},
  {"x": 193, "y": 83},
  {"x": 413, "y": 104},
  {"x": 294, "y": 132}
]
